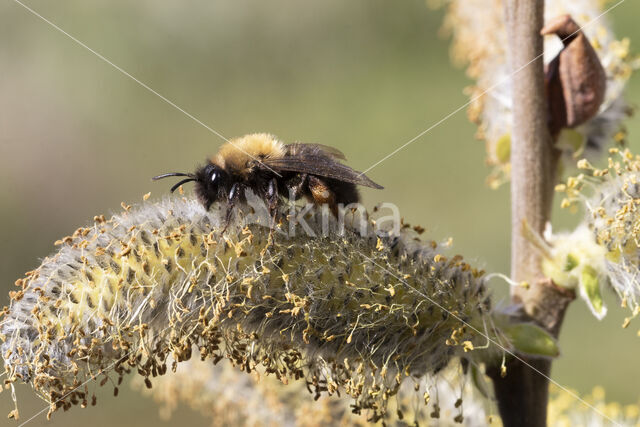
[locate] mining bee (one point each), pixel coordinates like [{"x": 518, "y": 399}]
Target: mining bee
[{"x": 272, "y": 169}]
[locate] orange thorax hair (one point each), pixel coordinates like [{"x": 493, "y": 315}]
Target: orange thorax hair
[{"x": 238, "y": 155}]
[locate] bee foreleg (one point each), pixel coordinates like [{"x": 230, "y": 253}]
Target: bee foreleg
[{"x": 234, "y": 194}]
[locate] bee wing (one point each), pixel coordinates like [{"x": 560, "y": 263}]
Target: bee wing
[
  {"x": 297, "y": 149},
  {"x": 321, "y": 166}
]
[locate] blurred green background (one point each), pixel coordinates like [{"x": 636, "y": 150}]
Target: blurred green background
[{"x": 77, "y": 137}]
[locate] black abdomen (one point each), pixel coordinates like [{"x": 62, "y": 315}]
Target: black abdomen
[{"x": 345, "y": 192}]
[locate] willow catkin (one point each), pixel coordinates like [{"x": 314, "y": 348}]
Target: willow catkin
[
  {"x": 346, "y": 312},
  {"x": 605, "y": 247},
  {"x": 226, "y": 396},
  {"x": 613, "y": 217},
  {"x": 566, "y": 410}
]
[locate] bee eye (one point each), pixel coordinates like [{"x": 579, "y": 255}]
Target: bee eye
[{"x": 214, "y": 176}]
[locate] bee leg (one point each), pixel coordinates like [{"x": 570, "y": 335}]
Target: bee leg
[
  {"x": 296, "y": 185},
  {"x": 232, "y": 198},
  {"x": 272, "y": 195},
  {"x": 322, "y": 194},
  {"x": 272, "y": 201}
]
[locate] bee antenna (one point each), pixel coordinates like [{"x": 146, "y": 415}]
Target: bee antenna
[
  {"x": 166, "y": 175},
  {"x": 175, "y": 187}
]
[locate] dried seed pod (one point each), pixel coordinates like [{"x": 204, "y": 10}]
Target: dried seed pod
[{"x": 575, "y": 80}]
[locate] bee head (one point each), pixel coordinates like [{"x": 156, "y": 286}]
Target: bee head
[{"x": 211, "y": 182}]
